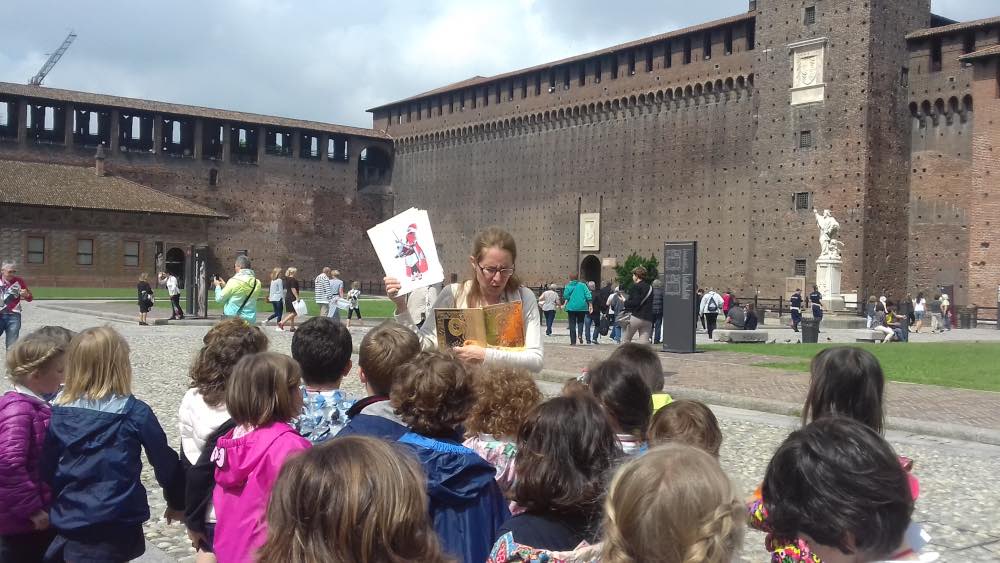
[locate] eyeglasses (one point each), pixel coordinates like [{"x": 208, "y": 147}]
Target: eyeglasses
[{"x": 491, "y": 272}]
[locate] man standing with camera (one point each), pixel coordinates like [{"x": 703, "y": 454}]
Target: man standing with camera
[{"x": 12, "y": 291}]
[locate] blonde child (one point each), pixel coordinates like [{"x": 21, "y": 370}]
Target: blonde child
[
  {"x": 353, "y": 297},
  {"x": 35, "y": 367},
  {"x": 92, "y": 455},
  {"x": 505, "y": 398},
  {"x": 203, "y": 412},
  {"x": 366, "y": 501},
  {"x": 262, "y": 396}
]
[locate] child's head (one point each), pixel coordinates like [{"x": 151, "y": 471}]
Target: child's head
[
  {"x": 379, "y": 506},
  {"x": 37, "y": 362},
  {"x": 322, "y": 347},
  {"x": 565, "y": 451},
  {"x": 505, "y": 396},
  {"x": 644, "y": 360},
  {"x": 57, "y": 333},
  {"x": 673, "y": 503},
  {"x": 355, "y": 285},
  {"x": 686, "y": 422},
  {"x": 264, "y": 388},
  {"x": 846, "y": 381},
  {"x": 97, "y": 366},
  {"x": 623, "y": 392},
  {"x": 433, "y": 393},
  {"x": 224, "y": 345},
  {"x": 383, "y": 350},
  {"x": 837, "y": 484}
]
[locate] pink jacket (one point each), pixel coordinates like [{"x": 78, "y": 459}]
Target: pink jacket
[
  {"x": 23, "y": 422},
  {"x": 246, "y": 469}
]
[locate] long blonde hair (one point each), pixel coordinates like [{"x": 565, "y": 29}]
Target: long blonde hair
[
  {"x": 351, "y": 500},
  {"x": 673, "y": 504},
  {"x": 275, "y": 273},
  {"x": 470, "y": 293},
  {"x": 97, "y": 366}
]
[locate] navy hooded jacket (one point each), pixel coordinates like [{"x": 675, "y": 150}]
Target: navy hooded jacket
[{"x": 92, "y": 461}]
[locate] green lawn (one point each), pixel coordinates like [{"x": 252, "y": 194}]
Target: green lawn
[{"x": 967, "y": 365}]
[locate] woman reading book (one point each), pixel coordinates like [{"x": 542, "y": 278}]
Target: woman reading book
[{"x": 493, "y": 283}]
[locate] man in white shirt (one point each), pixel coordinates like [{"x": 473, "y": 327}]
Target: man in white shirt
[
  {"x": 711, "y": 304},
  {"x": 549, "y": 302},
  {"x": 174, "y": 291},
  {"x": 322, "y": 291}
]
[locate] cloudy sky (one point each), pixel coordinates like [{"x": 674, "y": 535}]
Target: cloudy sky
[{"x": 327, "y": 60}]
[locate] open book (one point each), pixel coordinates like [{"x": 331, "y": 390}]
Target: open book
[{"x": 495, "y": 326}]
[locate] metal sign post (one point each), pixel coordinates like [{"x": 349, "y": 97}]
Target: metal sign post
[{"x": 680, "y": 260}]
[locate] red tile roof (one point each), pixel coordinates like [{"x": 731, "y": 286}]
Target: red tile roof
[
  {"x": 954, "y": 28},
  {"x": 988, "y": 52},
  {"x": 76, "y": 187}
]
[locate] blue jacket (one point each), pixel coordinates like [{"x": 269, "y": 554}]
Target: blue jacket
[
  {"x": 465, "y": 501},
  {"x": 373, "y": 416},
  {"x": 92, "y": 461}
]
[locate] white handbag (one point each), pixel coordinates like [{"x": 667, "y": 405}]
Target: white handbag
[{"x": 300, "y": 307}]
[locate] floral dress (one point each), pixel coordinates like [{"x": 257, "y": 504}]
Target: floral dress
[{"x": 499, "y": 453}]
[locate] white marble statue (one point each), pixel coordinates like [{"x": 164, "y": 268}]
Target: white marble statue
[{"x": 829, "y": 229}]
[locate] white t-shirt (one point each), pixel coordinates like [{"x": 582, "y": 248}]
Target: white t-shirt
[
  {"x": 919, "y": 305},
  {"x": 549, "y": 300}
]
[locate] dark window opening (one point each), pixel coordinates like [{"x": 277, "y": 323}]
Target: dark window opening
[
  {"x": 649, "y": 59},
  {"x": 687, "y": 50},
  {"x": 46, "y": 124},
  {"x": 614, "y": 67},
  {"x": 802, "y": 201},
  {"x": 430, "y": 108},
  {"x": 309, "y": 146},
  {"x": 136, "y": 132},
  {"x": 936, "y": 55},
  {"x": 728, "y": 41},
  {"x": 36, "y": 250},
  {"x": 374, "y": 167},
  {"x": 461, "y": 101},
  {"x": 178, "y": 137},
  {"x": 92, "y": 127},
  {"x": 213, "y": 177},
  {"x": 85, "y": 252},
  {"x": 566, "y": 77},
  {"x": 751, "y": 35},
  {"x": 524, "y": 89},
  {"x": 278, "y": 142},
  {"x": 810, "y": 15},
  {"x": 473, "y": 94},
  {"x": 968, "y": 43},
  {"x": 440, "y": 105},
  {"x": 631, "y": 63},
  {"x": 538, "y": 84},
  {"x": 244, "y": 144},
  {"x": 552, "y": 79},
  {"x": 707, "y": 46},
  {"x": 211, "y": 140},
  {"x": 581, "y": 74},
  {"x": 800, "y": 267},
  {"x": 131, "y": 253},
  {"x": 668, "y": 54},
  {"x": 597, "y": 71},
  {"x": 336, "y": 149},
  {"x": 486, "y": 95},
  {"x": 805, "y": 139},
  {"x": 510, "y": 91}
]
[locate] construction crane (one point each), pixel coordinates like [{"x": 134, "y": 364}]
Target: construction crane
[{"x": 36, "y": 80}]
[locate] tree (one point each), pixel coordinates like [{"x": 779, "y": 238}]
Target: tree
[{"x": 624, "y": 272}]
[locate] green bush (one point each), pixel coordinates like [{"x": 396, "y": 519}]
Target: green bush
[{"x": 624, "y": 272}]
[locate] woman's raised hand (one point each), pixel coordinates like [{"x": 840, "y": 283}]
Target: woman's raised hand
[{"x": 392, "y": 287}]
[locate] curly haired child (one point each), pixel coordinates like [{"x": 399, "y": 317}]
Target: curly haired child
[
  {"x": 35, "y": 367},
  {"x": 505, "y": 398}
]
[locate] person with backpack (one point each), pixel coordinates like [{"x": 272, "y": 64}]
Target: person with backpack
[
  {"x": 238, "y": 292},
  {"x": 711, "y": 304}
]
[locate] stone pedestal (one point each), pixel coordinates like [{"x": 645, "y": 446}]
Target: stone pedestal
[{"x": 828, "y": 273}]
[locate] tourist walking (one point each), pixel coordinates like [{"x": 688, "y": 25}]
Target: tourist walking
[
  {"x": 592, "y": 323},
  {"x": 492, "y": 259},
  {"x": 354, "y": 298},
  {"x": 12, "y": 290},
  {"x": 549, "y": 302},
  {"x": 727, "y": 302},
  {"x": 321, "y": 291},
  {"x": 816, "y": 302},
  {"x": 276, "y": 296},
  {"x": 657, "y": 311},
  {"x": 935, "y": 311},
  {"x": 795, "y": 308},
  {"x": 174, "y": 291},
  {"x": 578, "y": 304},
  {"x": 291, "y": 285},
  {"x": 238, "y": 293},
  {"x": 640, "y": 304},
  {"x": 336, "y": 294},
  {"x": 711, "y": 304},
  {"x": 145, "y": 297},
  {"x": 946, "y": 311},
  {"x": 919, "y": 311}
]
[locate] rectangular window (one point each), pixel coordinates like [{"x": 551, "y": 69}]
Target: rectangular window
[
  {"x": 805, "y": 139},
  {"x": 85, "y": 251},
  {"x": 552, "y": 78},
  {"x": 461, "y": 101},
  {"x": 566, "y": 77},
  {"x": 440, "y": 105},
  {"x": 751, "y": 35},
  {"x": 707, "y": 46},
  {"x": 936, "y": 55},
  {"x": 486, "y": 95},
  {"x": 810, "y": 16},
  {"x": 728, "y": 40},
  {"x": 538, "y": 84},
  {"x": 524, "y": 89},
  {"x": 36, "y": 250},
  {"x": 581, "y": 74},
  {"x": 631, "y": 63},
  {"x": 649, "y": 59},
  {"x": 472, "y": 98},
  {"x": 614, "y": 67},
  {"x": 687, "y": 50},
  {"x": 131, "y": 253},
  {"x": 510, "y": 92},
  {"x": 800, "y": 267},
  {"x": 668, "y": 54},
  {"x": 597, "y": 71},
  {"x": 968, "y": 43},
  {"x": 802, "y": 201}
]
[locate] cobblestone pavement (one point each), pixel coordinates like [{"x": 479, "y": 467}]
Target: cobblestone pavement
[{"x": 959, "y": 502}]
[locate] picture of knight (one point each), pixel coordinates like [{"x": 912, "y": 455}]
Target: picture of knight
[{"x": 411, "y": 253}]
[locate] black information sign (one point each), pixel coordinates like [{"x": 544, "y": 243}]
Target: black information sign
[{"x": 679, "y": 308}]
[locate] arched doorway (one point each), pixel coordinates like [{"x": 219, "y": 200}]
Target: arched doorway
[
  {"x": 590, "y": 269},
  {"x": 175, "y": 265}
]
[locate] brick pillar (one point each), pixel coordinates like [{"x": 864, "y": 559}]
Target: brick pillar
[
  {"x": 199, "y": 138},
  {"x": 261, "y": 142},
  {"x": 116, "y": 132},
  {"x": 324, "y": 145},
  {"x": 157, "y": 134},
  {"x": 68, "y": 127},
  {"x": 22, "y": 121},
  {"x": 227, "y": 133},
  {"x": 296, "y": 144}
]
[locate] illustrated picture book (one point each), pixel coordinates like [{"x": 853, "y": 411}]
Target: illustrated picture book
[{"x": 494, "y": 326}]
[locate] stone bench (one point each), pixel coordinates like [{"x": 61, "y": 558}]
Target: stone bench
[
  {"x": 740, "y": 336},
  {"x": 872, "y": 336}
]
